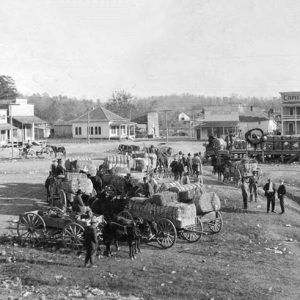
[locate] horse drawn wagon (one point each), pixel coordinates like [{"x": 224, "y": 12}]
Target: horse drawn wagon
[
  {"x": 54, "y": 224},
  {"x": 170, "y": 219}
]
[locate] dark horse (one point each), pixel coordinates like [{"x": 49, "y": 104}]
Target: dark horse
[{"x": 58, "y": 149}]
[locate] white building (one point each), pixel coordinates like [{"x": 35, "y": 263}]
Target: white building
[
  {"x": 183, "y": 117},
  {"x": 102, "y": 124},
  {"x": 29, "y": 126}
]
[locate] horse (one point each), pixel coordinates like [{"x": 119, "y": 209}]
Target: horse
[{"x": 58, "y": 149}]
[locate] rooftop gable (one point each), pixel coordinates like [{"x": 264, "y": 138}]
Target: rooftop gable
[{"x": 100, "y": 114}]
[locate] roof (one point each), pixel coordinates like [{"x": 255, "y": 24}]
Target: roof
[
  {"x": 29, "y": 120},
  {"x": 63, "y": 123},
  {"x": 141, "y": 119},
  {"x": 217, "y": 124},
  {"x": 253, "y": 116},
  {"x": 99, "y": 114},
  {"x": 6, "y": 126}
]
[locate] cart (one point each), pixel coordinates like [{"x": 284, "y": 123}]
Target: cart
[
  {"x": 35, "y": 227},
  {"x": 164, "y": 232},
  {"x": 60, "y": 193}
]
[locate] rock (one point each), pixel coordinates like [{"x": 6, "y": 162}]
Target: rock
[
  {"x": 270, "y": 288},
  {"x": 258, "y": 225},
  {"x": 288, "y": 225},
  {"x": 173, "y": 272},
  {"x": 258, "y": 206},
  {"x": 162, "y": 284},
  {"x": 144, "y": 268},
  {"x": 278, "y": 252}
]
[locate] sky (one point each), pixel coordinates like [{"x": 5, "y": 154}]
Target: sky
[{"x": 90, "y": 48}]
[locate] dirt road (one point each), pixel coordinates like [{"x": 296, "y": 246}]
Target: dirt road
[{"x": 256, "y": 256}]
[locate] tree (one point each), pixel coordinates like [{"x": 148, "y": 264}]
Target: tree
[
  {"x": 121, "y": 104},
  {"x": 8, "y": 88}
]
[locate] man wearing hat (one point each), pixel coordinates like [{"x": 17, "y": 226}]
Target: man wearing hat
[
  {"x": 269, "y": 189},
  {"x": 78, "y": 204},
  {"x": 90, "y": 242},
  {"x": 60, "y": 170}
]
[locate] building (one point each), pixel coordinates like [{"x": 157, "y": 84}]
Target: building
[
  {"x": 290, "y": 113},
  {"x": 5, "y": 127},
  {"x": 183, "y": 117},
  {"x": 102, "y": 124},
  {"x": 26, "y": 122},
  {"x": 251, "y": 118},
  {"x": 151, "y": 121},
  {"x": 62, "y": 129},
  {"x": 26, "y": 126},
  {"x": 218, "y": 121}
]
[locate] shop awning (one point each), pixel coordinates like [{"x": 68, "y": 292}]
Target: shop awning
[
  {"x": 29, "y": 120},
  {"x": 6, "y": 126}
]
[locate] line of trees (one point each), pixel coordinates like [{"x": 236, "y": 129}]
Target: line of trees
[{"x": 56, "y": 108}]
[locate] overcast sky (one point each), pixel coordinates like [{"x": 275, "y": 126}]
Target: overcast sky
[{"x": 89, "y": 48}]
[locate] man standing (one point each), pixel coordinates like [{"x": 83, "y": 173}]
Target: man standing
[
  {"x": 253, "y": 188},
  {"x": 281, "y": 192},
  {"x": 90, "y": 242},
  {"x": 189, "y": 163},
  {"x": 244, "y": 193},
  {"x": 174, "y": 168},
  {"x": 269, "y": 189}
]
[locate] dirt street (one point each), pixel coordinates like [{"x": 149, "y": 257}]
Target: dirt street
[{"x": 256, "y": 256}]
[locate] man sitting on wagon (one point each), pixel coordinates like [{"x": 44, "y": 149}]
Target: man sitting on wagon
[
  {"x": 60, "y": 169},
  {"x": 78, "y": 205}
]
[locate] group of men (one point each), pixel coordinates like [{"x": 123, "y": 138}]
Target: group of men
[
  {"x": 270, "y": 193},
  {"x": 182, "y": 166}
]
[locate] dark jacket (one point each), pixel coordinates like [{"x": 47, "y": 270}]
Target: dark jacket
[
  {"x": 90, "y": 237},
  {"x": 78, "y": 204},
  {"x": 266, "y": 189},
  {"x": 281, "y": 190}
]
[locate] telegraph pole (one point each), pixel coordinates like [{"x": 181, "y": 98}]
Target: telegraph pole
[
  {"x": 88, "y": 127},
  {"x": 166, "y": 119}
]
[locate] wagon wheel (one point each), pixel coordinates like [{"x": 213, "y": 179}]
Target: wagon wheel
[
  {"x": 166, "y": 236},
  {"x": 31, "y": 154},
  {"x": 31, "y": 227},
  {"x": 193, "y": 233},
  {"x": 126, "y": 215},
  {"x": 72, "y": 236},
  {"x": 60, "y": 201},
  {"x": 46, "y": 152},
  {"x": 216, "y": 225}
]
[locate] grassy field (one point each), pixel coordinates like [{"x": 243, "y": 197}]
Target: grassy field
[{"x": 256, "y": 256}]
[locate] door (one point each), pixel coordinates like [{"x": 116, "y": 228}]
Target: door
[{"x": 198, "y": 134}]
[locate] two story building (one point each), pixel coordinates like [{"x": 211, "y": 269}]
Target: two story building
[{"x": 290, "y": 113}]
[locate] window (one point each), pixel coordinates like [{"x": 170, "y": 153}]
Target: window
[
  {"x": 259, "y": 122},
  {"x": 291, "y": 128},
  {"x": 96, "y": 130},
  {"x": 99, "y": 130},
  {"x": 77, "y": 130},
  {"x": 123, "y": 129},
  {"x": 113, "y": 129},
  {"x": 92, "y": 130},
  {"x": 291, "y": 111}
]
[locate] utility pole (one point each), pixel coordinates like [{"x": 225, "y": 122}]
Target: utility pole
[
  {"x": 88, "y": 124},
  {"x": 88, "y": 127},
  {"x": 167, "y": 129}
]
